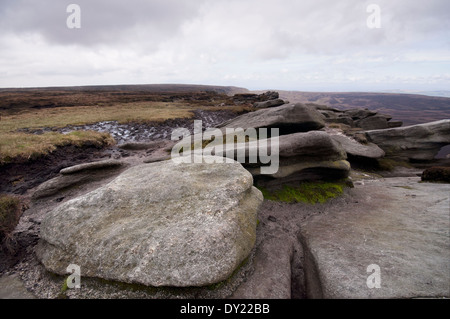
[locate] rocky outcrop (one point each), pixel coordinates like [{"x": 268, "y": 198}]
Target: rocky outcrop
[
  {"x": 270, "y": 103},
  {"x": 356, "y": 149},
  {"x": 393, "y": 124},
  {"x": 301, "y": 156},
  {"x": 358, "y": 118},
  {"x": 160, "y": 224},
  {"x": 292, "y": 118},
  {"x": 373, "y": 123},
  {"x": 242, "y": 98},
  {"x": 420, "y": 142}
]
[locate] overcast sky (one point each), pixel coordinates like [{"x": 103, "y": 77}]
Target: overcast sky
[{"x": 315, "y": 45}]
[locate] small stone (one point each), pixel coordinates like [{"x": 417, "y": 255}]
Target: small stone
[{"x": 272, "y": 218}]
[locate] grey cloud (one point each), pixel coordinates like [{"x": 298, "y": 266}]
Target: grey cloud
[
  {"x": 325, "y": 26},
  {"x": 310, "y": 26},
  {"x": 102, "y": 21}
]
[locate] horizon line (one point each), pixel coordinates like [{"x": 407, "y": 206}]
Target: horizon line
[{"x": 387, "y": 91}]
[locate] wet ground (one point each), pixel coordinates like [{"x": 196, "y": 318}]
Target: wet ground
[
  {"x": 144, "y": 132},
  {"x": 17, "y": 178}
]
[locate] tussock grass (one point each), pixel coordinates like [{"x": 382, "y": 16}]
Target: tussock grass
[
  {"x": 19, "y": 146},
  {"x": 16, "y": 146},
  {"x": 23, "y": 146},
  {"x": 80, "y": 115}
]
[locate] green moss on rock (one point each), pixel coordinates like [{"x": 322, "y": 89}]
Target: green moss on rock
[{"x": 308, "y": 192}]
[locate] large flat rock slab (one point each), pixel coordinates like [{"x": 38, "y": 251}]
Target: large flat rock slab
[{"x": 398, "y": 224}]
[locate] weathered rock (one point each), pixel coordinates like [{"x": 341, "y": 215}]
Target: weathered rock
[
  {"x": 415, "y": 143},
  {"x": 359, "y": 114},
  {"x": 289, "y": 119},
  {"x": 386, "y": 116},
  {"x": 360, "y": 137},
  {"x": 375, "y": 122},
  {"x": 270, "y": 103},
  {"x": 277, "y": 263},
  {"x": 326, "y": 108},
  {"x": 301, "y": 156},
  {"x": 79, "y": 175},
  {"x": 272, "y": 276},
  {"x": 269, "y": 95},
  {"x": 354, "y": 148},
  {"x": 397, "y": 224},
  {"x": 160, "y": 224},
  {"x": 327, "y": 114},
  {"x": 91, "y": 166},
  {"x": 394, "y": 124},
  {"x": 11, "y": 287},
  {"x": 359, "y": 118},
  {"x": 157, "y": 159},
  {"x": 309, "y": 146},
  {"x": 436, "y": 174},
  {"x": 347, "y": 120},
  {"x": 241, "y": 98}
]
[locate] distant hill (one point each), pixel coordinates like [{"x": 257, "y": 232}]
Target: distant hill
[
  {"x": 15, "y": 100},
  {"x": 150, "y": 88},
  {"x": 409, "y": 108},
  {"x": 442, "y": 93}
]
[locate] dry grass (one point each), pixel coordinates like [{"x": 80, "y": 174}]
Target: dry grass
[
  {"x": 23, "y": 146},
  {"x": 123, "y": 113},
  {"x": 15, "y": 146}
]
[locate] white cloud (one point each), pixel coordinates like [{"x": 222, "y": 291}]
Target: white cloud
[{"x": 256, "y": 44}]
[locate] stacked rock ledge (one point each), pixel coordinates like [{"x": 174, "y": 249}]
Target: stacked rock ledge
[{"x": 420, "y": 142}]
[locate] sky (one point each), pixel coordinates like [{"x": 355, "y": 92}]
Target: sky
[{"x": 310, "y": 45}]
